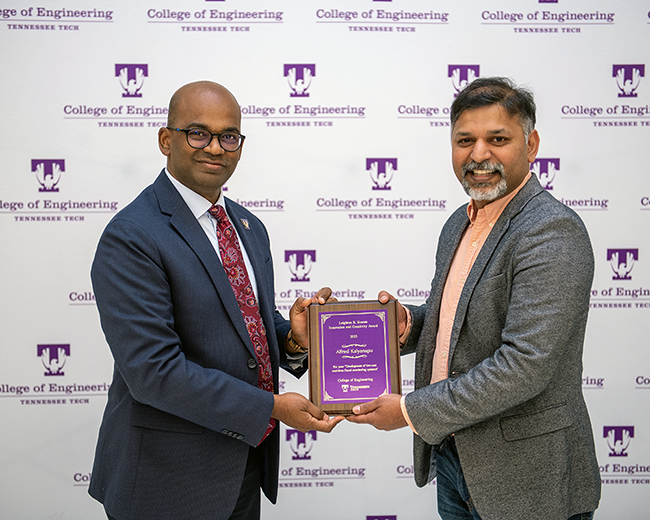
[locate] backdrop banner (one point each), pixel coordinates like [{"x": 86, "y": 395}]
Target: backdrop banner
[{"x": 348, "y": 162}]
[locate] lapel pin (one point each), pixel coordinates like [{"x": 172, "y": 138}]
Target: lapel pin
[{"x": 245, "y": 223}]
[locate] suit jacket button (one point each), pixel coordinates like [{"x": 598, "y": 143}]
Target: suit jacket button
[{"x": 252, "y": 363}]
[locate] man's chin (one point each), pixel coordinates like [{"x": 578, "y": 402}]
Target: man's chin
[{"x": 486, "y": 192}]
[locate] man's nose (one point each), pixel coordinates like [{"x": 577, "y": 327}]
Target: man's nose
[
  {"x": 480, "y": 151},
  {"x": 214, "y": 148}
]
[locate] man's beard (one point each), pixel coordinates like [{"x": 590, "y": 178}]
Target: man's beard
[{"x": 488, "y": 192}]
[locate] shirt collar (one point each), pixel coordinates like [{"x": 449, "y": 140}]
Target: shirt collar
[
  {"x": 197, "y": 203},
  {"x": 493, "y": 210}
]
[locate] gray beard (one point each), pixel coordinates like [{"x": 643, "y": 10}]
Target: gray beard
[
  {"x": 486, "y": 195},
  {"x": 483, "y": 195}
]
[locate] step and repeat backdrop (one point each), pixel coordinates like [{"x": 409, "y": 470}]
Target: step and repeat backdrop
[{"x": 347, "y": 160}]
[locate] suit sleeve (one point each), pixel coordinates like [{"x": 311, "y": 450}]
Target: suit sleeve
[
  {"x": 297, "y": 364},
  {"x": 525, "y": 318},
  {"x": 136, "y": 302},
  {"x": 418, "y": 314}
]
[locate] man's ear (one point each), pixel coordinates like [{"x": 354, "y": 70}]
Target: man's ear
[
  {"x": 533, "y": 146},
  {"x": 165, "y": 140}
]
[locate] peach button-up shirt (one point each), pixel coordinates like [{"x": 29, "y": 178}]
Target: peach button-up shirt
[{"x": 481, "y": 223}]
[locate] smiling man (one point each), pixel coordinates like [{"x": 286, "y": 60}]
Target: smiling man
[
  {"x": 183, "y": 281},
  {"x": 498, "y": 412},
  {"x": 488, "y": 144}
]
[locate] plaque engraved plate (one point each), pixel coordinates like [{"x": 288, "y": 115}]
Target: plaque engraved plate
[{"x": 353, "y": 354}]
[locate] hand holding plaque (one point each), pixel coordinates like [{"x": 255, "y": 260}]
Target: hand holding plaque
[
  {"x": 353, "y": 354},
  {"x": 291, "y": 408}
]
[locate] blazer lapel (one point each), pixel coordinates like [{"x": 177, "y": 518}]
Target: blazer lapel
[
  {"x": 448, "y": 243},
  {"x": 495, "y": 237},
  {"x": 184, "y": 222},
  {"x": 253, "y": 247}
]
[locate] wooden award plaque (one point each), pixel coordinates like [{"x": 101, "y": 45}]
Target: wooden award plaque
[{"x": 353, "y": 354}]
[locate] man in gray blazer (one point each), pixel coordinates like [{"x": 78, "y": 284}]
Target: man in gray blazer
[
  {"x": 498, "y": 411},
  {"x": 190, "y": 430}
]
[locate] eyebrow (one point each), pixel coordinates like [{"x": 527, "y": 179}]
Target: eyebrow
[
  {"x": 490, "y": 132},
  {"x": 202, "y": 125}
]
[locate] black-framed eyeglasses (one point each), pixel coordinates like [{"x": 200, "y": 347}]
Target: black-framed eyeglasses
[{"x": 199, "y": 138}]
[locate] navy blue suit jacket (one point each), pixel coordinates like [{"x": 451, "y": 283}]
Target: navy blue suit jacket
[{"x": 184, "y": 406}]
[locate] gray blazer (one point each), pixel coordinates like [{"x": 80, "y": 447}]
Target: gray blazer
[{"x": 514, "y": 394}]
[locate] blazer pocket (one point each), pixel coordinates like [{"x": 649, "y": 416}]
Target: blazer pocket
[
  {"x": 144, "y": 416},
  {"x": 549, "y": 420},
  {"x": 491, "y": 284}
]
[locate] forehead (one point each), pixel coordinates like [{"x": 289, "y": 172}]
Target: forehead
[
  {"x": 208, "y": 107},
  {"x": 489, "y": 119}
]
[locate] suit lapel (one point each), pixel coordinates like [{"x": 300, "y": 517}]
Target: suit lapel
[
  {"x": 448, "y": 246},
  {"x": 184, "y": 222},
  {"x": 449, "y": 240},
  {"x": 493, "y": 240},
  {"x": 253, "y": 247}
]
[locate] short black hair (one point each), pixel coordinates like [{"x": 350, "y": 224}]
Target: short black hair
[{"x": 517, "y": 101}]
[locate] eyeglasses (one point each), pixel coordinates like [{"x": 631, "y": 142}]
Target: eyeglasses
[{"x": 199, "y": 138}]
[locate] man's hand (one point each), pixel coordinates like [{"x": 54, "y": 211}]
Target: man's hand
[
  {"x": 384, "y": 413},
  {"x": 298, "y": 316},
  {"x": 401, "y": 312},
  {"x": 299, "y": 413}
]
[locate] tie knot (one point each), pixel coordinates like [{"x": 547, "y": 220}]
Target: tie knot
[{"x": 218, "y": 212}]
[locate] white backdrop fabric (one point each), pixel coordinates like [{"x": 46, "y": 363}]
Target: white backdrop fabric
[{"x": 347, "y": 161}]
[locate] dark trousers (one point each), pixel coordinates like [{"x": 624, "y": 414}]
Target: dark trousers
[
  {"x": 454, "y": 500},
  {"x": 248, "y": 502}
]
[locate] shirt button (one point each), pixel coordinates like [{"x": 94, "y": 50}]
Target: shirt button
[{"x": 252, "y": 363}]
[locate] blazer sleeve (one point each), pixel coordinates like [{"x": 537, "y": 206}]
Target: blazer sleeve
[
  {"x": 132, "y": 281},
  {"x": 299, "y": 364},
  {"x": 418, "y": 313}
]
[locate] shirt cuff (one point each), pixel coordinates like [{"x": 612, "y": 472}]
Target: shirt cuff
[
  {"x": 297, "y": 360},
  {"x": 402, "y": 404}
]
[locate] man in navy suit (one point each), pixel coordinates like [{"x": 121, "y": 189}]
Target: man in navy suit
[{"x": 188, "y": 434}]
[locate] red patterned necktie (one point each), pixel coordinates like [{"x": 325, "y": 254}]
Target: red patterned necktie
[{"x": 233, "y": 264}]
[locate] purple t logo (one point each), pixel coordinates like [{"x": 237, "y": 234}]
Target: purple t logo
[
  {"x": 462, "y": 75},
  {"x": 618, "y": 439},
  {"x": 545, "y": 169},
  {"x": 300, "y": 263},
  {"x": 628, "y": 78},
  {"x": 53, "y": 358},
  {"x": 381, "y": 172},
  {"x": 48, "y": 173},
  {"x": 301, "y": 443},
  {"x": 299, "y": 76},
  {"x": 131, "y": 77},
  {"x": 622, "y": 262}
]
